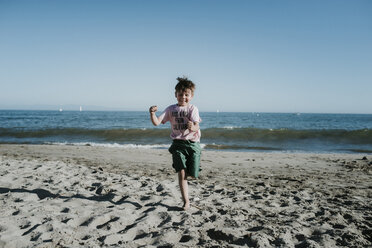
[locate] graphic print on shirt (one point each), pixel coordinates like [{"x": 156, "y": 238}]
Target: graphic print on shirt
[{"x": 180, "y": 119}]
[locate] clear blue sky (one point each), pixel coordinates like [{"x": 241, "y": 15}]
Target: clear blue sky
[{"x": 271, "y": 56}]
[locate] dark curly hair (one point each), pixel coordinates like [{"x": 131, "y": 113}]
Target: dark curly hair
[{"x": 183, "y": 84}]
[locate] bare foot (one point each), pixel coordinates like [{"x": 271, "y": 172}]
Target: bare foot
[{"x": 186, "y": 206}]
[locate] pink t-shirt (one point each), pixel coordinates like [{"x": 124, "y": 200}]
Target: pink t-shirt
[{"x": 179, "y": 117}]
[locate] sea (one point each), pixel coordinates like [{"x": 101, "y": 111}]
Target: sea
[{"x": 253, "y": 131}]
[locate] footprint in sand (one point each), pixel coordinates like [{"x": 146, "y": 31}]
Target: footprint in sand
[
  {"x": 145, "y": 198},
  {"x": 159, "y": 188},
  {"x": 86, "y": 237},
  {"x": 231, "y": 239},
  {"x": 16, "y": 212},
  {"x": 66, "y": 220},
  {"x": 185, "y": 238},
  {"x": 87, "y": 222},
  {"x": 25, "y": 224},
  {"x": 65, "y": 210},
  {"x": 166, "y": 218},
  {"x": 35, "y": 236},
  {"x": 31, "y": 229},
  {"x": 107, "y": 225}
]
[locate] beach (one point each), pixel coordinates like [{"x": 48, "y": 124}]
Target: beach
[{"x": 89, "y": 196}]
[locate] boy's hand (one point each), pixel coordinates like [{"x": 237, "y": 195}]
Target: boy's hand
[
  {"x": 193, "y": 126},
  {"x": 153, "y": 109},
  {"x": 190, "y": 125},
  {"x": 153, "y": 117}
]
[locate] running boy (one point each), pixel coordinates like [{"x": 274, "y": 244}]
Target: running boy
[{"x": 185, "y": 149}]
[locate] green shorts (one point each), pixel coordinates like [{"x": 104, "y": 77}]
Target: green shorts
[{"x": 186, "y": 155}]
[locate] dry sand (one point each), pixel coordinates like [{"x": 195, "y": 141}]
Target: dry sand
[{"x": 80, "y": 196}]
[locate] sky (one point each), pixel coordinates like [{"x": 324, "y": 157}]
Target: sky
[{"x": 244, "y": 56}]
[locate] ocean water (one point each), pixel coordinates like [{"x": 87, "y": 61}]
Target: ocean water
[{"x": 281, "y": 132}]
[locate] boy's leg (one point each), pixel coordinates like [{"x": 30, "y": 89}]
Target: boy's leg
[
  {"x": 193, "y": 161},
  {"x": 182, "y": 180}
]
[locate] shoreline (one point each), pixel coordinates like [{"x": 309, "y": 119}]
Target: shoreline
[
  {"x": 205, "y": 147},
  {"x": 57, "y": 195}
]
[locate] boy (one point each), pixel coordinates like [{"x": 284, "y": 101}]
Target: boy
[{"x": 185, "y": 148}]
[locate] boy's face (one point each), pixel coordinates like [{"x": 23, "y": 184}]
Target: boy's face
[{"x": 184, "y": 97}]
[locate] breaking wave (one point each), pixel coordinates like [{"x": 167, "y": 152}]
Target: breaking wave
[{"x": 210, "y": 135}]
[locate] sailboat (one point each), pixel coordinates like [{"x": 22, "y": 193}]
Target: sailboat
[{"x": 81, "y": 109}]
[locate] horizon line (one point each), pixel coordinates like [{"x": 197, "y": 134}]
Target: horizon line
[{"x": 108, "y": 109}]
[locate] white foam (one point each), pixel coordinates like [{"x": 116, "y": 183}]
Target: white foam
[
  {"x": 230, "y": 127},
  {"x": 116, "y": 145},
  {"x": 113, "y": 145}
]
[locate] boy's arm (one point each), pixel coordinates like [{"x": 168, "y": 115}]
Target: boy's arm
[{"x": 154, "y": 119}]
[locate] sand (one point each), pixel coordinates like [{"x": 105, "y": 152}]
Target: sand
[{"x": 84, "y": 196}]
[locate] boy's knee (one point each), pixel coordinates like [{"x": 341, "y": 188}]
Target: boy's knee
[{"x": 182, "y": 174}]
